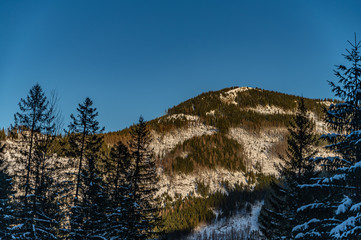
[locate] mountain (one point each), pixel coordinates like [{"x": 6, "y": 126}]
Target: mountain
[
  {"x": 223, "y": 134},
  {"x": 221, "y": 141}
]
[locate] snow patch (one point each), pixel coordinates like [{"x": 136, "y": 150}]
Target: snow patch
[
  {"x": 269, "y": 110},
  {"x": 184, "y": 185},
  {"x": 305, "y": 225},
  {"x": 345, "y": 204},
  {"x": 212, "y": 112},
  {"x": 183, "y": 116},
  {"x": 240, "y": 224},
  {"x": 163, "y": 143},
  {"x": 229, "y": 97},
  {"x": 337, "y": 231},
  {"x": 258, "y": 147},
  {"x": 326, "y": 103}
]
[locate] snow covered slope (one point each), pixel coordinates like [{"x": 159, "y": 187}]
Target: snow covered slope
[
  {"x": 238, "y": 227},
  {"x": 258, "y": 145}
]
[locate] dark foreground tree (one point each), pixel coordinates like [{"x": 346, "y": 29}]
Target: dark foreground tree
[
  {"x": 336, "y": 213},
  {"x": 88, "y": 213},
  {"x": 29, "y": 122},
  {"x": 279, "y": 213},
  {"x": 37, "y": 212},
  {"x": 121, "y": 202},
  {"x": 144, "y": 180}
]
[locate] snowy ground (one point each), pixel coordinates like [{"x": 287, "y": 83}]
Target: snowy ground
[
  {"x": 230, "y": 96},
  {"x": 258, "y": 147},
  {"x": 164, "y": 143},
  {"x": 258, "y": 150},
  {"x": 239, "y": 226},
  {"x": 185, "y": 185}
]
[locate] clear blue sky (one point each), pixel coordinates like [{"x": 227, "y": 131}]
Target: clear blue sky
[{"x": 142, "y": 57}]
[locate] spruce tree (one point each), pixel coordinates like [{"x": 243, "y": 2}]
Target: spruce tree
[
  {"x": 37, "y": 214},
  {"x": 82, "y": 136},
  {"x": 94, "y": 204},
  {"x": 335, "y": 214},
  {"x": 279, "y": 214},
  {"x": 88, "y": 213},
  {"x": 121, "y": 203},
  {"x": 29, "y": 121},
  {"x": 143, "y": 182}
]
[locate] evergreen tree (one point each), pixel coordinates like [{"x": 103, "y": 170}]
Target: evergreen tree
[
  {"x": 122, "y": 204},
  {"x": 143, "y": 183},
  {"x": 6, "y": 210},
  {"x": 30, "y": 123},
  {"x": 82, "y": 136},
  {"x": 335, "y": 214},
  {"x": 279, "y": 214},
  {"x": 88, "y": 213},
  {"x": 94, "y": 204},
  {"x": 38, "y": 215}
]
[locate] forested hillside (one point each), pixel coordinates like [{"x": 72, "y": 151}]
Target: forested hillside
[
  {"x": 214, "y": 155},
  {"x": 251, "y": 108}
]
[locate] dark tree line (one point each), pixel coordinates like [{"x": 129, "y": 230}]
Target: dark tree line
[{"x": 85, "y": 195}]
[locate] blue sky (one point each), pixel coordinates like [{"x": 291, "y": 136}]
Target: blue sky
[{"x": 143, "y": 57}]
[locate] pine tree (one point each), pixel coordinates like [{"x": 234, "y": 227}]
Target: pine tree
[
  {"x": 335, "y": 214},
  {"x": 122, "y": 204},
  {"x": 38, "y": 215},
  {"x": 30, "y": 123},
  {"x": 143, "y": 183},
  {"x": 88, "y": 213},
  {"x": 82, "y": 136},
  {"x": 94, "y": 203},
  {"x": 279, "y": 214},
  {"x": 6, "y": 192}
]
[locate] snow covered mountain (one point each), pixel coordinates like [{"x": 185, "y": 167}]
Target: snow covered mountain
[
  {"x": 256, "y": 119},
  {"x": 196, "y": 141}
]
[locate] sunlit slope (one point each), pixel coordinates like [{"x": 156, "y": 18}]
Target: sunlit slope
[{"x": 241, "y": 130}]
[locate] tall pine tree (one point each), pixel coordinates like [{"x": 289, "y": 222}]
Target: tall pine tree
[
  {"x": 37, "y": 211},
  {"x": 143, "y": 182},
  {"x": 29, "y": 122},
  {"x": 279, "y": 214},
  {"x": 88, "y": 213},
  {"x": 121, "y": 202}
]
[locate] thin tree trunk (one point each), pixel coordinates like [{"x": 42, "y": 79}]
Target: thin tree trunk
[
  {"x": 27, "y": 187},
  {"x": 80, "y": 166}
]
